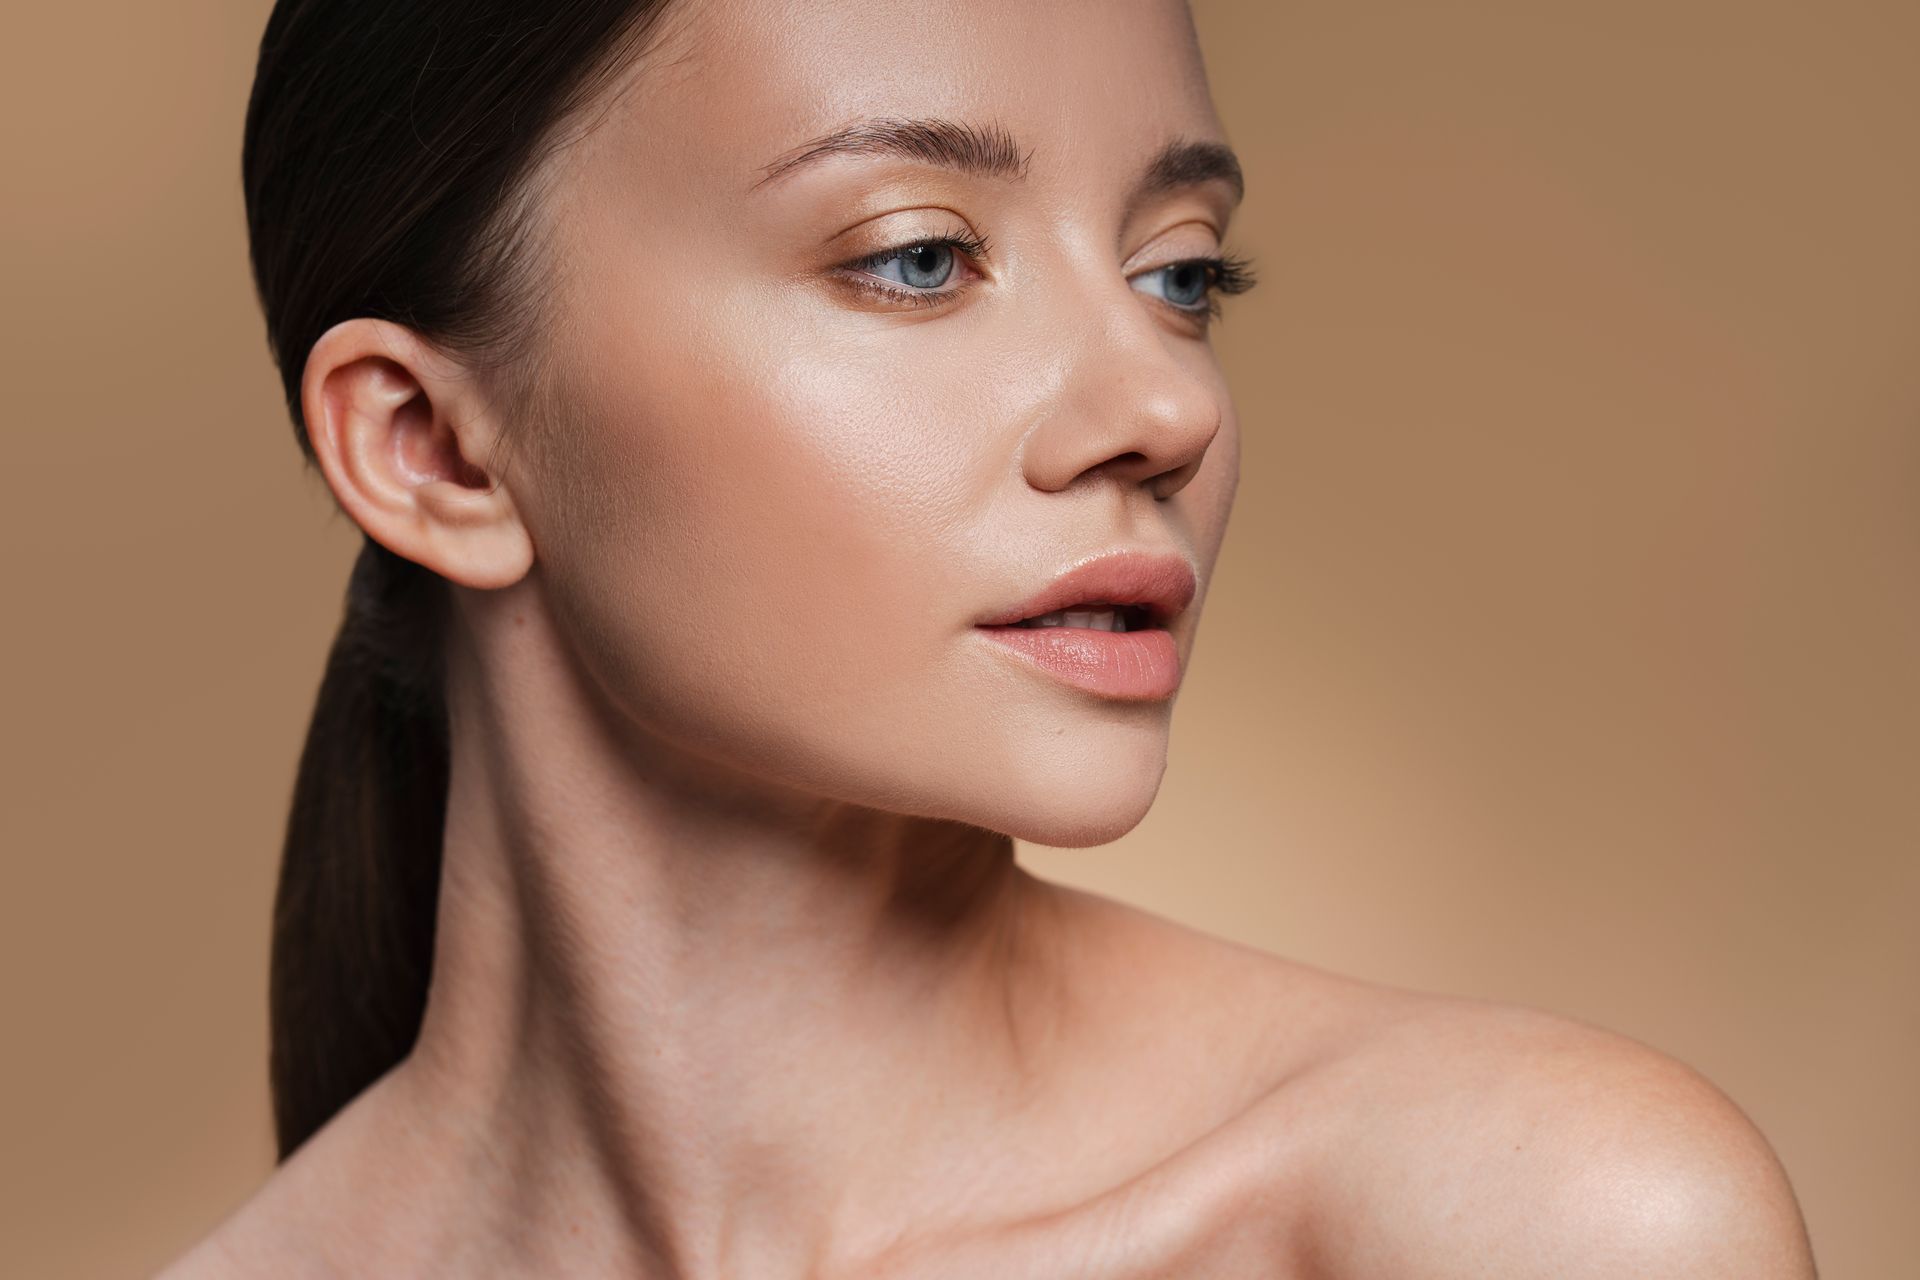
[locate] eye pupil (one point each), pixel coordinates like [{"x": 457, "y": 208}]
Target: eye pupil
[
  {"x": 928, "y": 259},
  {"x": 1187, "y": 283}
]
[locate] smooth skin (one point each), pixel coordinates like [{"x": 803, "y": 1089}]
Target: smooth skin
[{"x": 736, "y": 975}]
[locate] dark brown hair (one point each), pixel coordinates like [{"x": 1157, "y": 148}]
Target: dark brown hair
[{"x": 387, "y": 152}]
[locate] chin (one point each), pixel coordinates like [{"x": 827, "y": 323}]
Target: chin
[{"x": 1074, "y": 791}]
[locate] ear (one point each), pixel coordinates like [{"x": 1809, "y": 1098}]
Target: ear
[{"x": 404, "y": 434}]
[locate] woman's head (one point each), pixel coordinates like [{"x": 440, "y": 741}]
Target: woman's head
[{"x": 764, "y": 350}]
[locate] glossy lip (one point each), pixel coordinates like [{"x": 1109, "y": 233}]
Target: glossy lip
[
  {"x": 1163, "y": 584},
  {"x": 1125, "y": 666}
]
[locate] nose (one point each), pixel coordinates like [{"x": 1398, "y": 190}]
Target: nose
[{"x": 1134, "y": 402}]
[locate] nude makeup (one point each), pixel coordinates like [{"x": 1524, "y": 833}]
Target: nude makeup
[{"x": 1103, "y": 626}]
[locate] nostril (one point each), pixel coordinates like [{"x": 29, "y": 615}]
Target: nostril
[{"x": 1120, "y": 465}]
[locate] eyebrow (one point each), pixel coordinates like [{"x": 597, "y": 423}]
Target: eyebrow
[
  {"x": 990, "y": 151},
  {"x": 1186, "y": 162},
  {"x": 986, "y": 150}
]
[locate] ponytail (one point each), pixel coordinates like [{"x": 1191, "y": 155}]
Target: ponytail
[
  {"x": 353, "y": 919},
  {"x": 385, "y": 161}
]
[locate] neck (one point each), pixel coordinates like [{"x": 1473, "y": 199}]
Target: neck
[{"x": 717, "y": 1023}]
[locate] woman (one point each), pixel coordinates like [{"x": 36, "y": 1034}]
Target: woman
[{"x": 792, "y": 461}]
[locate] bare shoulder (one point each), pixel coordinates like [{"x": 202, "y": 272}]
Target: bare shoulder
[
  {"x": 287, "y": 1227},
  {"x": 247, "y": 1243},
  {"x": 1461, "y": 1138},
  {"x": 1379, "y": 1133},
  {"x": 210, "y": 1259}
]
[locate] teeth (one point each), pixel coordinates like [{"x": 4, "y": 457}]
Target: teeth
[{"x": 1094, "y": 619}]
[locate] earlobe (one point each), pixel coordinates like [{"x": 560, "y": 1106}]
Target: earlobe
[{"x": 402, "y": 438}]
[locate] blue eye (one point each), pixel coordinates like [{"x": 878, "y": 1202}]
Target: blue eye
[
  {"x": 1194, "y": 285},
  {"x": 1191, "y": 285},
  {"x": 1186, "y": 283},
  {"x": 922, "y": 266}
]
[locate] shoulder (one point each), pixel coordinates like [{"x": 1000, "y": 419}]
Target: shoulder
[
  {"x": 289, "y": 1226},
  {"x": 1460, "y": 1138},
  {"x": 212, "y": 1258},
  {"x": 1377, "y": 1133}
]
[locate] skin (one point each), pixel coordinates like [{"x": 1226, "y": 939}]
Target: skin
[{"x": 736, "y": 974}]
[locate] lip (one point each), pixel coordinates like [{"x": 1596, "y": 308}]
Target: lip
[
  {"x": 1128, "y": 666},
  {"x": 1163, "y": 584}
]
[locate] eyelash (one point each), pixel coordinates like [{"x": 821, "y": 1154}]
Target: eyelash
[{"x": 1227, "y": 273}]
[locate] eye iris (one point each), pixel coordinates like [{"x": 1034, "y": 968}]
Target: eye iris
[
  {"x": 1187, "y": 278},
  {"x": 916, "y": 260}
]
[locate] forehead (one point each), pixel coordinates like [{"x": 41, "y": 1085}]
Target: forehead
[{"x": 1083, "y": 88}]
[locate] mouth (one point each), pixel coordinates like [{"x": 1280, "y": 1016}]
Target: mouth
[
  {"x": 1103, "y": 626},
  {"x": 1119, "y": 591},
  {"x": 1095, "y": 616}
]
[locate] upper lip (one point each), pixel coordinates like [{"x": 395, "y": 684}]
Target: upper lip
[{"x": 1163, "y": 584}]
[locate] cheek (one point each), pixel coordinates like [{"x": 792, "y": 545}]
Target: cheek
[
  {"x": 767, "y": 531},
  {"x": 762, "y": 547}
]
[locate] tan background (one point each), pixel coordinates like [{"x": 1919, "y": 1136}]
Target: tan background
[{"x": 1563, "y": 651}]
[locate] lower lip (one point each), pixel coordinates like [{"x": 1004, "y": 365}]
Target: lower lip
[{"x": 1132, "y": 666}]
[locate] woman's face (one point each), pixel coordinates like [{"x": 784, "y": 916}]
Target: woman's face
[{"x": 779, "y": 499}]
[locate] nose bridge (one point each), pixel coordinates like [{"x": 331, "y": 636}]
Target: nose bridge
[{"x": 1129, "y": 401}]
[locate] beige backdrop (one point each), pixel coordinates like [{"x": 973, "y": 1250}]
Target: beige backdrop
[{"x": 1563, "y": 651}]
